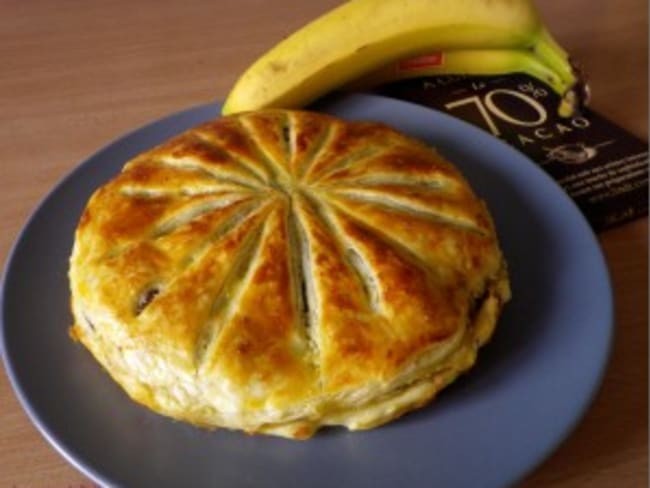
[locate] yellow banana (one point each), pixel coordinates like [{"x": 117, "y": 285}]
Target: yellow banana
[
  {"x": 362, "y": 35},
  {"x": 475, "y": 62},
  {"x": 465, "y": 62}
]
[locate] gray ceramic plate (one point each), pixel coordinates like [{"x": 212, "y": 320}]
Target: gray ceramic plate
[{"x": 532, "y": 383}]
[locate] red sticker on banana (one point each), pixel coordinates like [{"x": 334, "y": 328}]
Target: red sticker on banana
[{"x": 421, "y": 62}]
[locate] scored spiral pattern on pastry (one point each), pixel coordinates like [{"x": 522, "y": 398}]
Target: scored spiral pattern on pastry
[{"x": 280, "y": 270}]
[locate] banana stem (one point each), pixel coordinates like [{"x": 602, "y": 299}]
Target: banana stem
[
  {"x": 556, "y": 58},
  {"x": 551, "y": 53}
]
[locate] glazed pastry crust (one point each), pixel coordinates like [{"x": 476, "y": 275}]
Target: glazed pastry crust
[{"x": 278, "y": 271}]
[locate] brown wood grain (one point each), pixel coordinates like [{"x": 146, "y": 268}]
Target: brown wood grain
[{"x": 75, "y": 75}]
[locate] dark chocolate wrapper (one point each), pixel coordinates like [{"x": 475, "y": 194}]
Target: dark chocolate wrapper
[{"x": 601, "y": 166}]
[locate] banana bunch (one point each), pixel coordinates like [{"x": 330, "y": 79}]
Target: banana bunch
[{"x": 358, "y": 43}]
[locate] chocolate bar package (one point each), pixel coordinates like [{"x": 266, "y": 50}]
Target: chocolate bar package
[{"x": 601, "y": 166}]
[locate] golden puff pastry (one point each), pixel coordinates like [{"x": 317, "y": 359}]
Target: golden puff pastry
[{"x": 278, "y": 271}]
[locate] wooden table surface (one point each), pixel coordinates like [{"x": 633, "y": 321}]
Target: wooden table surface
[{"x": 75, "y": 75}]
